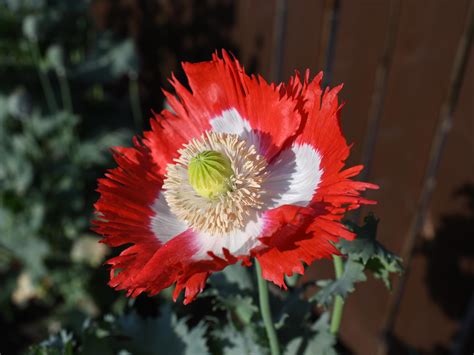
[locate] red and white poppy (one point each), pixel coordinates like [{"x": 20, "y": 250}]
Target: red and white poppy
[{"x": 282, "y": 156}]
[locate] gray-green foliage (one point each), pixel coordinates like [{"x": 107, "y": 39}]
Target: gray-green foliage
[
  {"x": 57, "y": 344},
  {"x": 49, "y": 163},
  {"x": 110, "y": 61},
  {"x": 364, "y": 253},
  {"x": 353, "y": 272},
  {"x": 165, "y": 334},
  {"x": 317, "y": 339},
  {"x": 368, "y": 251},
  {"x": 130, "y": 334},
  {"x": 239, "y": 342},
  {"x": 42, "y": 173},
  {"x": 232, "y": 290}
]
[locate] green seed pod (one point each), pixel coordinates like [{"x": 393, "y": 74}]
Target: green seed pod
[{"x": 209, "y": 174}]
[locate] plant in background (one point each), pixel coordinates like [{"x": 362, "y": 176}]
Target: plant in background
[{"x": 54, "y": 136}]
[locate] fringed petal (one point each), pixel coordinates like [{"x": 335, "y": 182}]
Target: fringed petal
[{"x": 294, "y": 126}]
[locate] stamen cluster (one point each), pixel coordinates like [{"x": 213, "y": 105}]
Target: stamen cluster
[{"x": 231, "y": 209}]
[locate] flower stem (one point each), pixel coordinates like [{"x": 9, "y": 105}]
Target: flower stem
[
  {"x": 65, "y": 92},
  {"x": 265, "y": 311},
  {"x": 339, "y": 301},
  {"x": 44, "y": 80}
]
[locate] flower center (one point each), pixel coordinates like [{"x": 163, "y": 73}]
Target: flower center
[
  {"x": 215, "y": 184},
  {"x": 209, "y": 174}
]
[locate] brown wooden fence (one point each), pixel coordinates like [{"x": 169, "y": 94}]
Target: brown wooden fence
[{"x": 408, "y": 70}]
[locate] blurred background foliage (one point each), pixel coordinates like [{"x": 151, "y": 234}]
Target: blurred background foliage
[
  {"x": 62, "y": 107},
  {"x": 73, "y": 85}
]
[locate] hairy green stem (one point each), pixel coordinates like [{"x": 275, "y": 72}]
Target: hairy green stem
[
  {"x": 65, "y": 92},
  {"x": 339, "y": 301},
  {"x": 265, "y": 311},
  {"x": 44, "y": 80}
]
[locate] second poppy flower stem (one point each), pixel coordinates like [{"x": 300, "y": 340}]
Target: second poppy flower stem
[
  {"x": 336, "y": 316},
  {"x": 266, "y": 312},
  {"x": 43, "y": 76}
]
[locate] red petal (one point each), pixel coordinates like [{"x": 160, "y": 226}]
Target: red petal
[
  {"x": 216, "y": 86},
  {"x": 299, "y": 235},
  {"x": 222, "y": 84},
  {"x": 170, "y": 132},
  {"x": 123, "y": 209},
  {"x": 302, "y": 235},
  {"x": 148, "y": 267},
  {"x": 322, "y": 130}
]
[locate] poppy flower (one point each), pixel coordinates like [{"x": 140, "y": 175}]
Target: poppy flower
[{"x": 240, "y": 169}]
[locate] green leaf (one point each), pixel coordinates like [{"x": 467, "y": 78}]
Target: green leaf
[
  {"x": 59, "y": 344},
  {"x": 382, "y": 267},
  {"x": 292, "y": 280},
  {"x": 111, "y": 60},
  {"x": 233, "y": 278},
  {"x": 319, "y": 340},
  {"x": 364, "y": 246},
  {"x": 19, "y": 235},
  {"x": 55, "y": 58},
  {"x": 242, "y": 306},
  {"x": 96, "y": 150},
  {"x": 232, "y": 289},
  {"x": 194, "y": 338},
  {"x": 353, "y": 272},
  {"x": 370, "y": 252},
  {"x": 235, "y": 342},
  {"x": 165, "y": 334},
  {"x": 31, "y": 27},
  {"x": 19, "y": 104},
  {"x": 293, "y": 316}
]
